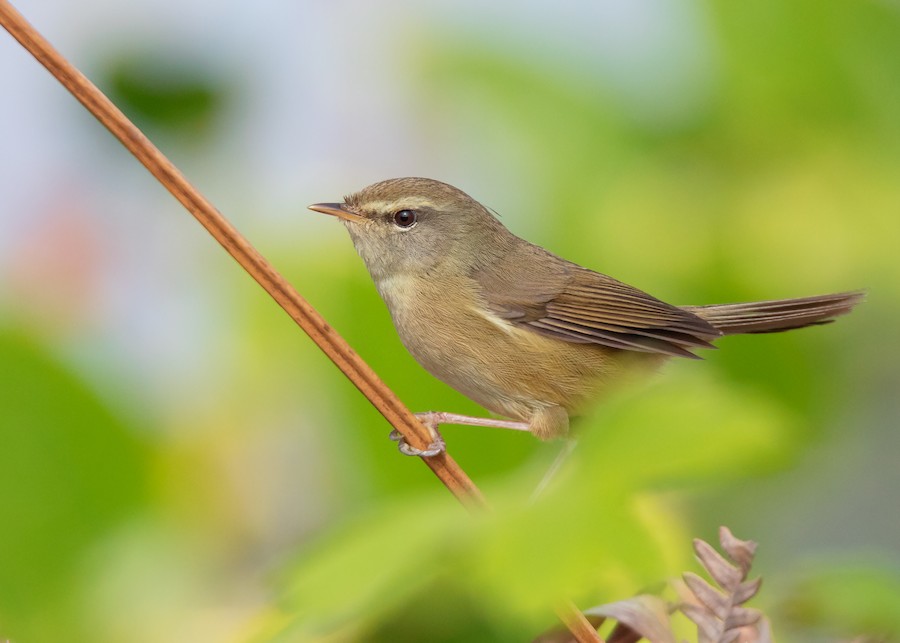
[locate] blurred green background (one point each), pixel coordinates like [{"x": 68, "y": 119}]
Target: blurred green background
[{"x": 177, "y": 460}]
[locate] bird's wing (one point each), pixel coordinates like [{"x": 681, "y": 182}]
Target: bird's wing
[{"x": 536, "y": 290}]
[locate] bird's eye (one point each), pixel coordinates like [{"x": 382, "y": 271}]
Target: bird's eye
[{"x": 405, "y": 218}]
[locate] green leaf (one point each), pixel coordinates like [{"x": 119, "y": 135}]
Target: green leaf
[
  {"x": 370, "y": 565},
  {"x": 69, "y": 470},
  {"x": 682, "y": 431},
  {"x": 167, "y": 91}
]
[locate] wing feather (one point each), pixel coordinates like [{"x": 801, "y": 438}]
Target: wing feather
[{"x": 553, "y": 297}]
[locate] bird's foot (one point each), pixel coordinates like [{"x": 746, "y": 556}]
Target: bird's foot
[{"x": 436, "y": 447}]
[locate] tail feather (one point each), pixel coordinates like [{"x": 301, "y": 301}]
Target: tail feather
[{"x": 777, "y": 315}]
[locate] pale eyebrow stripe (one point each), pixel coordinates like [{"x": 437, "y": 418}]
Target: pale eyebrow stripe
[{"x": 406, "y": 203}]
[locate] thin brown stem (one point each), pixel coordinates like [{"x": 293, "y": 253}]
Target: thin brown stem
[
  {"x": 312, "y": 323},
  {"x": 578, "y": 624}
]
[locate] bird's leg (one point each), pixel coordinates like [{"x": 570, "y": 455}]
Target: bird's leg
[
  {"x": 437, "y": 418},
  {"x": 433, "y": 419},
  {"x": 561, "y": 457}
]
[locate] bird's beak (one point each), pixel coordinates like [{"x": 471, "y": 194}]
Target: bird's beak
[{"x": 336, "y": 210}]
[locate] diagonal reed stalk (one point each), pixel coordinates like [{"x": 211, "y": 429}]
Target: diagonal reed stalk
[{"x": 312, "y": 323}]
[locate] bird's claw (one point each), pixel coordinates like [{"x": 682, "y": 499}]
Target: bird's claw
[{"x": 435, "y": 448}]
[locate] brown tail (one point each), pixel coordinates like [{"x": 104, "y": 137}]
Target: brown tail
[{"x": 778, "y": 315}]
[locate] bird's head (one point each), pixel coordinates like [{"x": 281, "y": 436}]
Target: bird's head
[{"x": 415, "y": 225}]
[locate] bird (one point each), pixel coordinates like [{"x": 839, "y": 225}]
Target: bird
[{"x": 526, "y": 334}]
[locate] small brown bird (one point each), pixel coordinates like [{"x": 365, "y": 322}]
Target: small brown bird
[{"x": 525, "y": 333}]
